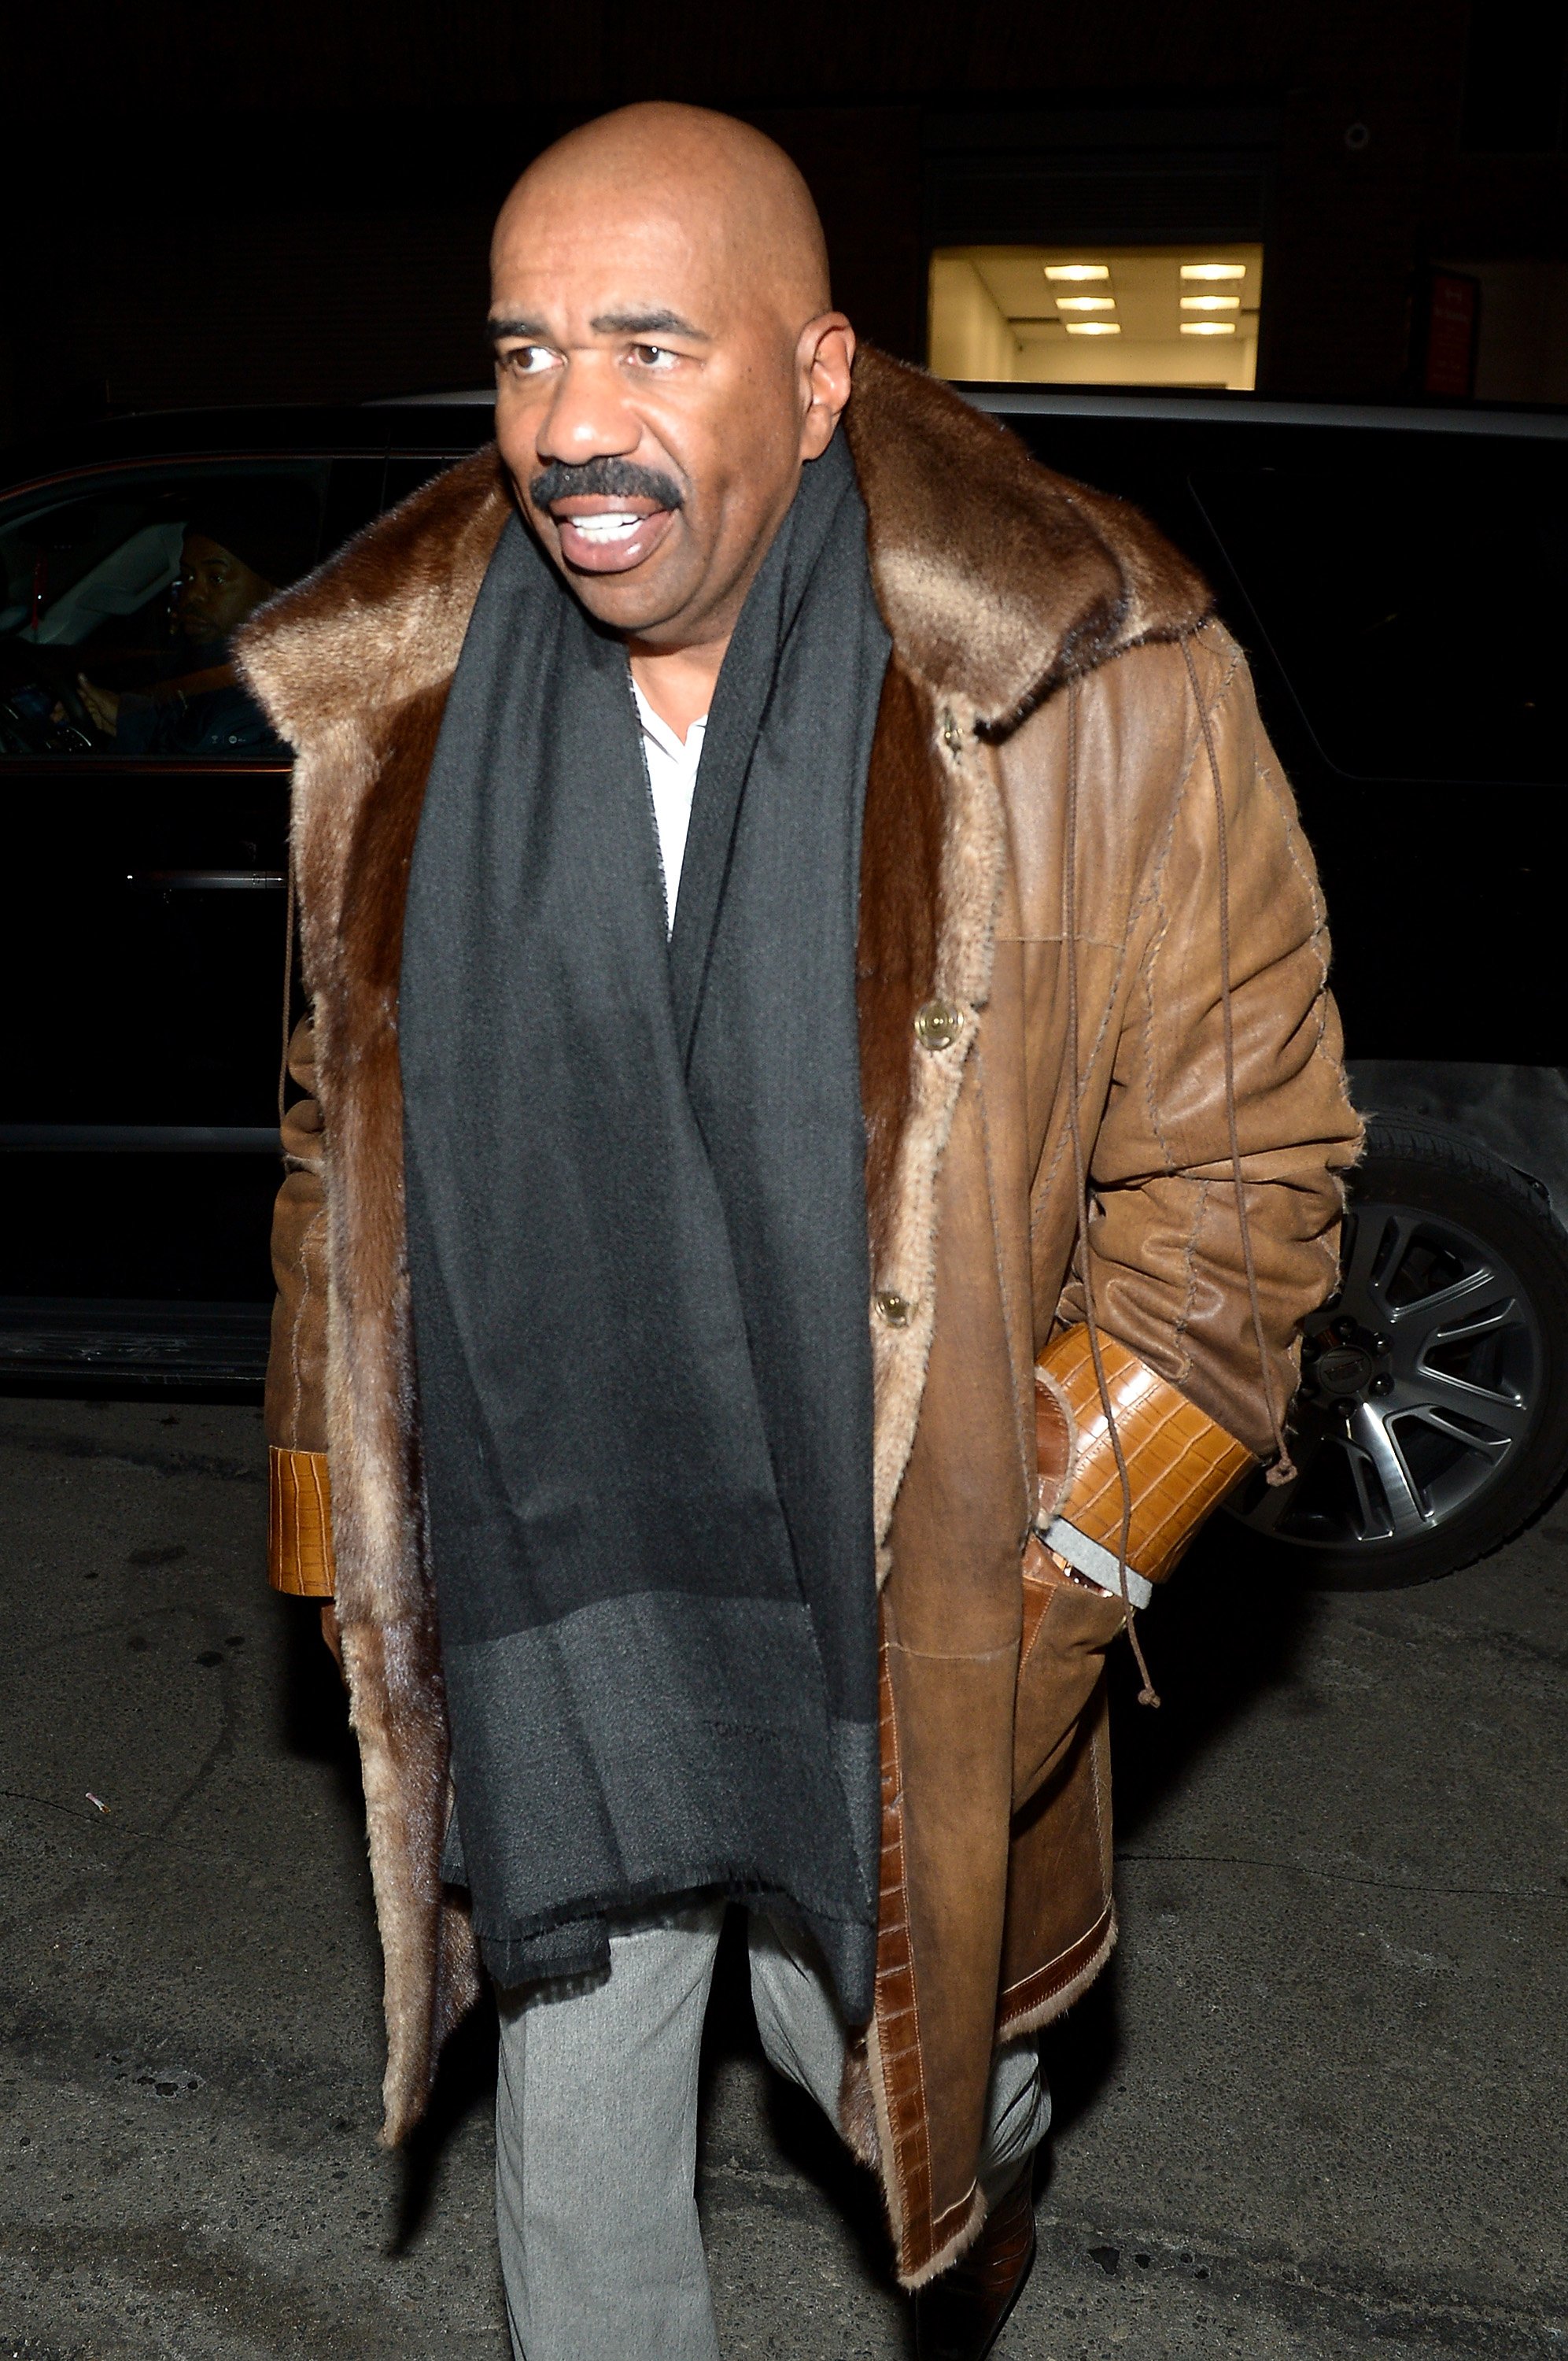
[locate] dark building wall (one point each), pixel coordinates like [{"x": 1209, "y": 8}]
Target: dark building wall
[{"x": 293, "y": 201}]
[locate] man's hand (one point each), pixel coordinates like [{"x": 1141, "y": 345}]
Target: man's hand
[
  {"x": 331, "y": 1633},
  {"x": 103, "y": 705}
]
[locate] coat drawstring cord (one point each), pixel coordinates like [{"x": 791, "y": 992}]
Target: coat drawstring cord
[
  {"x": 1284, "y": 1468},
  {"x": 1148, "y": 1693},
  {"x": 291, "y": 913}
]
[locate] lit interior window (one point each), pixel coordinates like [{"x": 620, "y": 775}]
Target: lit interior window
[{"x": 1111, "y": 315}]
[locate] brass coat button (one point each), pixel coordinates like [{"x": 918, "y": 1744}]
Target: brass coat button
[
  {"x": 895, "y": 1309},
  {"x": 938, "y": 1025}
]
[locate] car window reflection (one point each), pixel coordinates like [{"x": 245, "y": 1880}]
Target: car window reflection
[
  {"x": 1408, "y": 577},
  {"x": 118, "y": 609}
]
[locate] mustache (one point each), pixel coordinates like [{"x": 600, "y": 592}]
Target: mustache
[{"x": 604, "y": 478}]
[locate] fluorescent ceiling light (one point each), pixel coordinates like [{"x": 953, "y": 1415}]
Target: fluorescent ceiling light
[
  {"x": 1097, "y": 302},
  {"x": 1094, "y": 327},
  {"x": 1208, "y": 327},
  {"x": 1211, "y": 302},
  {"x": 1213, "y": 270},
  {"x": 1077, "y": 270}
]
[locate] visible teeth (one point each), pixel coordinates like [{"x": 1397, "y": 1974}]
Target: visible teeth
[{"x": 612, "y": 526}]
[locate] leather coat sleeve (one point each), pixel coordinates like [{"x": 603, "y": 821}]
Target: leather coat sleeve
[
  {"x": 1167, "y": 1265},
  {"x": 299, "y": 1544}
]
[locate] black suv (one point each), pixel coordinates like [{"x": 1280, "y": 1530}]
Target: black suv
[{"x": 1400, "y": 579}]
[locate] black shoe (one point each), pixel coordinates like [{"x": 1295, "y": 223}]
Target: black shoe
[{"x": 960, "y": 2316}]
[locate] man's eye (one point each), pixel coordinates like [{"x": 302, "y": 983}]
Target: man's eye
[
  {"x": 528, "y": 360},
  {"x": 653, "y": 357}
]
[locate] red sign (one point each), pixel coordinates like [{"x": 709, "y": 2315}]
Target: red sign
[{"x": 1454, "y": 316}]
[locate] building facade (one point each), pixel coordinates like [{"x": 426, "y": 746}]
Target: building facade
[{"x": 293, "y": 203}]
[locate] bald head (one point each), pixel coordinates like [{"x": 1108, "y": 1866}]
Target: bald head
[
  {"x": 731, "y": 192},
  {"x": 667, "y": 361}
]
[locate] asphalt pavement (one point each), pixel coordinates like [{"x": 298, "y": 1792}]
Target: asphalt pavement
[{"x": 1316, "y": 2107}]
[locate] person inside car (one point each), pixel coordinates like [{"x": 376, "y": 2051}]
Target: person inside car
[{"x": 236, "y": 552}]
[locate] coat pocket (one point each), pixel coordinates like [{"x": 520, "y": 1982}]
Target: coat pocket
[{"x": 1067, "y": 1631}]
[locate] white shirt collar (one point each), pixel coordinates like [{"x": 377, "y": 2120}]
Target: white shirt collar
[{"x": 672, "y": 778}]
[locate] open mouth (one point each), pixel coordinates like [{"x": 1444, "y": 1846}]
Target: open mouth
[
  {"x": 600, "y": 530},
  {"x": 606, "y": 533}
]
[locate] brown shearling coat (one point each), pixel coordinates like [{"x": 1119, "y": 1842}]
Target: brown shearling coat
[{"x": 1053, "y": 662}]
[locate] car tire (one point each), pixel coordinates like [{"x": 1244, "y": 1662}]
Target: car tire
[{"x": 1432, "y": 1419}]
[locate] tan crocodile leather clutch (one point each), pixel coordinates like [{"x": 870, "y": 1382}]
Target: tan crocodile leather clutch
[
  {"x": 298, "y": 1524},
  {"x": 1181, "y": 1465}
]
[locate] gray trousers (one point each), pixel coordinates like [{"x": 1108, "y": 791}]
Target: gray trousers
[{"x": 596, "y": 2134}]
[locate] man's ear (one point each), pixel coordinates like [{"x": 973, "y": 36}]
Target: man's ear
[{"x": 825, "y": 355}]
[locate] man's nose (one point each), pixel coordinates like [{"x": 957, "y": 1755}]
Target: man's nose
[{"x": 590, "y": 416}]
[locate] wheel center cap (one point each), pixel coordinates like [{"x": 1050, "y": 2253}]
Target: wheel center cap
[{"x": 1344, "y": 1369}]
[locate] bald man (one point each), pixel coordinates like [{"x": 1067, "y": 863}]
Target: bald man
[{"x": 820, "y": 1125}]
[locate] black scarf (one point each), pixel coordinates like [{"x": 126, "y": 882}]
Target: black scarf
[{"x": 637, "y": 1244}]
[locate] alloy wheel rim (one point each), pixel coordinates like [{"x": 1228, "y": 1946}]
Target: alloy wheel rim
[{"x": 1420, "y": 1383}]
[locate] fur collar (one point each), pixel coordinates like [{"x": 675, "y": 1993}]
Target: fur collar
[{"x": 997, "y": 579}]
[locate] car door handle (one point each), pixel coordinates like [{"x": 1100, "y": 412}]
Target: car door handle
[{"x": 207, "y": 881}]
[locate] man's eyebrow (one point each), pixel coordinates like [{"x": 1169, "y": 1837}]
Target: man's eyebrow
[
  {"x": 646, "y": 324},
  {"x": 607, "y": 324}
]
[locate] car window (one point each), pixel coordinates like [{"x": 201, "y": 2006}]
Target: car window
[
  {"x": 409, "y": 474},
  {"x": 1418, "y": 617},
  {"x": 120, "y": 595}
]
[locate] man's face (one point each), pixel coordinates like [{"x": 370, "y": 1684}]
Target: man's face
[
  {"x": 650, "y": 414},
  {"x": 217, "y": 591}
]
